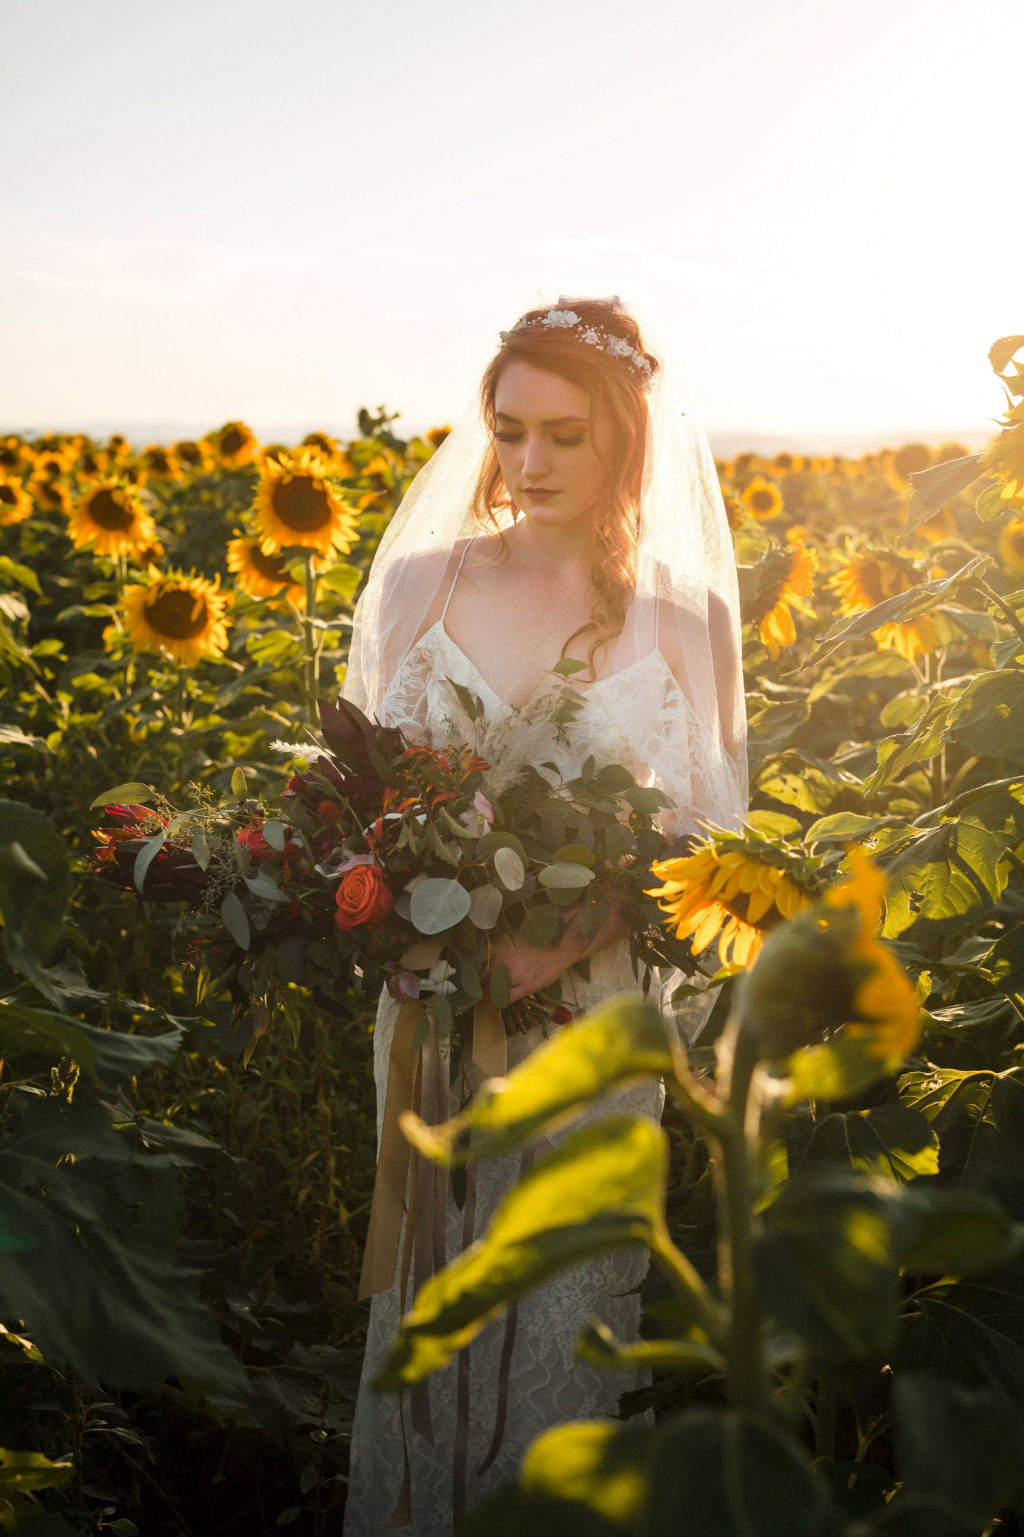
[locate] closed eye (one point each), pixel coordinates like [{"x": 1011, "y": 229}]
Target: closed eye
[{"x": 516, "y": 437}]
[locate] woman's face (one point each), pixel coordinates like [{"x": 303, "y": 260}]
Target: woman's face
[{"x": 544, "y": 440}]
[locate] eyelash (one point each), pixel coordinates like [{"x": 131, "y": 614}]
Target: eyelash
[{"x": 510, "y": 437}]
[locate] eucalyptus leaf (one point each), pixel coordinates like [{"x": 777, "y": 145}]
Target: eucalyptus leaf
[
  {"x": 437, "y": 904},
  {"x": 509, "y": 868},
  {"x": 238, "y": 784},
  {"x": 565, "y": 876},
  {"x": 485, "y": 906}
]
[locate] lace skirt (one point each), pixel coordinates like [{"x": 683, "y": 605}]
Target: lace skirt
[{"x": 546, "y": 1384}]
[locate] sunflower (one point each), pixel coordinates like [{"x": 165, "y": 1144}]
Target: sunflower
[
  {"x": 234, "y": 445},
  {"x": 13, "y": 455},
  {"x": 182, "y": 616},
  {"x": 51, "y": 495},
  {"x": 158, "y": 463},
  {"x": 187, "y": 451},
  {"x": 904, "y": 462},
  {"x": 789, "y": 464},
  {"x": 93, "y": 463},
  {"x": 865, "y": 579},
  {"x": 273, "y": 452},
  {"x": 297, "y": 505},
  {"x": 323, "y": 441},
  {"x": 262, "y": 575},
  {"x": 437, "y": 435},
  {"x": 1011, "y": 543},
  {"x": 111, "y": 517},
  {"x": 15, "y": 502},
  {"x": 734, "y": 889},
  {"x": 786, "y": 579},
  {"x": 1005, "y": 457},
  {"x": 762, "y": 499},
  {"x": 52, "y": 463}
]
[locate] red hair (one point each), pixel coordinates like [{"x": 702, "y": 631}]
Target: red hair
[{"x": 617, "y": 403}]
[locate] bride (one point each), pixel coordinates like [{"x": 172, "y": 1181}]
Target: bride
[{"x": 573, "y": 512}]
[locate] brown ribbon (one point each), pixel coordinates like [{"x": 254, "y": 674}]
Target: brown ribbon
[{"x": 421, "y": 1083}]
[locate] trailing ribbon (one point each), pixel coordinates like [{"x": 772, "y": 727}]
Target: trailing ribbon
[{"x": 412, "y": 1188}]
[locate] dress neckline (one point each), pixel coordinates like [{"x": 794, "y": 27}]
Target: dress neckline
[{"x": 438, "y": 629}]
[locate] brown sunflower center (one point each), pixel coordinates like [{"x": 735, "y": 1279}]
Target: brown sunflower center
[
  {"x": 189, "y": 452},
  {"x": 178, "y": 614},
  {"x": 8, "y": 496},
  {"x": 233, "y": 441},
  {"x": 9, "y": 458},
  {"x": 109, "y": 509},
  {"x": 762, "y": 500},
  {"x": 302, "y": 503},
  {"x": 879, "y": 581},
  {"x": 159, "y": 462},
  {"x": 270, "y": 566}
]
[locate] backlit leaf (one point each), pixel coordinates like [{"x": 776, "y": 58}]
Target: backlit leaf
[
  {"x": 623, "y": 1039},
  {"x": 603, "y": 1186}
]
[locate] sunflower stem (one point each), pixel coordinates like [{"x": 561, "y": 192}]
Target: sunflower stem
[
  {"x": 937, "y": 768},
  {"x": 310, "y": 652},
  {"x": 737, "y": 1142},
  {"x": 1000, "y": 603}
]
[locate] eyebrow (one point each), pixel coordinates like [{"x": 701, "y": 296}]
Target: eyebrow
[{"x": 552, "y": 421}]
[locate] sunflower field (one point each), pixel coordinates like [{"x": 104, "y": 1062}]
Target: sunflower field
[{"x": 835, "y": 1205}]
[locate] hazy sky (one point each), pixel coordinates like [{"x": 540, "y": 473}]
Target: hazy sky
[{"x": 215, "y": 209}]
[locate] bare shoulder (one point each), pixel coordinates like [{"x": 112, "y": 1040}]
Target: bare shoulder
[{"x": 425, "y": 578}]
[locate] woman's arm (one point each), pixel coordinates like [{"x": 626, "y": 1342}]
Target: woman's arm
[{"x": 532, "y": 968}]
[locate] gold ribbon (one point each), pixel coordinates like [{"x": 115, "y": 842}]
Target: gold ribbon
[
  {"x": 420, "y": 1082},
  {"x": 404, "y": 1092}
]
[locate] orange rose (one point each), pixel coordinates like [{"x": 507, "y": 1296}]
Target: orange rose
[{"x": 363, "y": 897}]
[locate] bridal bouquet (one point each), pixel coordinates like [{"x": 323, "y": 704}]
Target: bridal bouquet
[{"x": 385, "y": 863}]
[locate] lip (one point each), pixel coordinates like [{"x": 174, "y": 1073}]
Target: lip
[{"x": 538, "y": 494}]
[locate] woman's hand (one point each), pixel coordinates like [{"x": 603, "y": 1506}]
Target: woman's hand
[{"x": 531, "y": 968}]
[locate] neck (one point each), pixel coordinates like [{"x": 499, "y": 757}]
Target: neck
[{"x": 572, "y": 548}]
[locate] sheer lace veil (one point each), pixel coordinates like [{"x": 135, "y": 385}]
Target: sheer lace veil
[{"x": 685, "y": 604}]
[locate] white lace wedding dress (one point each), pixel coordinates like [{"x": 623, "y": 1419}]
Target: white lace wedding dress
[{"x": 637, "y": 717}]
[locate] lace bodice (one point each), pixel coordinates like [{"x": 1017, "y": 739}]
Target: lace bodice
[{"x": 639, "y": 717}]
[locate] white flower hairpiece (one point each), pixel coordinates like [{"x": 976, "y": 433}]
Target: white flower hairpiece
[{"x": 594, "y": 336}]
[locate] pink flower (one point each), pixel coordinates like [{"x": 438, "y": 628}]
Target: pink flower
[{"x": 479, "y": 818}]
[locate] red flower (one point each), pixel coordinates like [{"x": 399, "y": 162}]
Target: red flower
[
  {"x": 327, "y": 811},
  {"x": 363, "y": 897},
  {"x": 252, "y": 838}
]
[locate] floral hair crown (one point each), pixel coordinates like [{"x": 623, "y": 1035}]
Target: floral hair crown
[{"x": 594, "y": 336}]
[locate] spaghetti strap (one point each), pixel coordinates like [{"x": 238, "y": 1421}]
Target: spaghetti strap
[{"x": 455, "y": 578}]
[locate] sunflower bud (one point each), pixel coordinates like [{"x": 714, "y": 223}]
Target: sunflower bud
[{"x": 826, "y": 970}]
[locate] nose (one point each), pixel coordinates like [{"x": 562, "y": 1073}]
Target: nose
[{"x": 535, "y": 461}]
